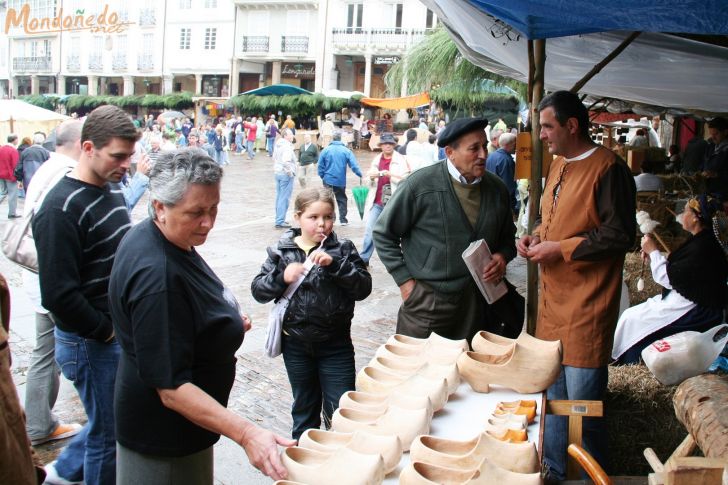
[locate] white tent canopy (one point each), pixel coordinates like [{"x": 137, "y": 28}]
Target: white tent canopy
[
  {"x": 24, "y": 119},
  {"x": 655, "y": 69}
]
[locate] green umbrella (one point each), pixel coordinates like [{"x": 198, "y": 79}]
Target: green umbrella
[{"x": 360, "y": 197}]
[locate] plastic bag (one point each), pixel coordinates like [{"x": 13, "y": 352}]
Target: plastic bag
[{"x": 683, "y": 355}]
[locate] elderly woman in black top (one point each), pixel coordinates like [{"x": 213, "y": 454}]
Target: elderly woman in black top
[
  {"x": 694, "y": 280},
  {"x": 179, "y": 327}
]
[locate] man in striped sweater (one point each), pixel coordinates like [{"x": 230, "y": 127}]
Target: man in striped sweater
[{"x": 76, "y": 232}]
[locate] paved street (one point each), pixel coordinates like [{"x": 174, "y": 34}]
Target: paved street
[{"x": 235, "y": 250}]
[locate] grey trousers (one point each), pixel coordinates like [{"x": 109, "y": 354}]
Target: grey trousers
[
  {"x": 134, "y": 468},
  {"x": 11, "y": 190},
  {"x": 42, "y": 381}
]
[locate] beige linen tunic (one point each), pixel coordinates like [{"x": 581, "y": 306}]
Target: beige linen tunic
[{"x": 593, "y": 220}]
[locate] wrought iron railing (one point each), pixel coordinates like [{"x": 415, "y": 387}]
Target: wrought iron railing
[
  {"x": 147, "y": 16},
  {"x": 73, "y": 63},
  {"x": 145, "y": 62},
  {"x": 38, "y": 63},
  {"x": 118, "y": 62},
  {"x": 95, "y": 62},
  {"x": 256, "y": 43},
  {"x": 294, "y": 43}
]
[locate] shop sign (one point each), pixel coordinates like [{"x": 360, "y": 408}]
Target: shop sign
[
  {"x": 523, "y": 156},
  {"x": 386, "y": 59},
  {"x": 299, "y": 71},
  {"x": 105, "y": 22}
]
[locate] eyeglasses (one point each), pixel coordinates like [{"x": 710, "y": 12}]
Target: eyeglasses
[{"x": 559, "y": 183}]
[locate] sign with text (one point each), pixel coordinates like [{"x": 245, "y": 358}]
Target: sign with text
[
  {"x": 105, "y": 22},
  {"x": 523, "y": 157},
  {"x": 299, "y": 71},
  {"x": 386, "y": 60}
]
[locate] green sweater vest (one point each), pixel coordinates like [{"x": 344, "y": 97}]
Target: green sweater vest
[{"x": 424, "y": 230}]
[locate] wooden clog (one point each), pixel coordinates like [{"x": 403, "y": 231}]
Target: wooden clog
[
  {"x": 487, "y": 342},
  {"x": 497, "y": 428},
  {"x": 417, "y": 473},
  {"x": 463, "y": 455},
  {"x": 522, "y": 408},
  {"x": 524, "y": 369},
  {"x": 403, "y": 423},
  {"x": 378, "y": 403},
  {"x": 390, "y": 447},
  {"x": 436, "y": 355},
  {"x": 508, "y": 435},
  {"x": 343, "y": 466},
  {"x": 434, "y": 340},
  {"x": 510, "y": 419},
  {"x": 427, "y": 369},
  {"x": 377, "y": 381}
]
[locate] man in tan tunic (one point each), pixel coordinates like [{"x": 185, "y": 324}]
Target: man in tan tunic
[{"x": 587, "y": 225}]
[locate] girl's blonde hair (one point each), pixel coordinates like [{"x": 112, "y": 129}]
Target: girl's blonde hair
[{"x": 308, "y": 196}]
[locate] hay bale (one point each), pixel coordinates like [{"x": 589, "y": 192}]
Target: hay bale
[{"x": 640, "y": 414}]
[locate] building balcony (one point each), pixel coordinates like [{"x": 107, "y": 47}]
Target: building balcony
[
  {"x": 118, "y": 62},
  {"x": 348, "y": 39},
  {"x": 73, "y": 63},
  {"x": 277, "y": 4},
  {"x": 296, "y": 44},
  {"x": 145, "y": 62},
  {"x": 147, "y": 17},
  {"x": 95, "y": 62},
  {"x": 32, "y": 64},
  {"x": 256, "y": 43}
]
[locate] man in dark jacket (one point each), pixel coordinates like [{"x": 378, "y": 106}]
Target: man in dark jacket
[
  {"x": 32, "y": 157},
  {"x": 307, "y": 159},
  {"x": 430, "y": 220}
]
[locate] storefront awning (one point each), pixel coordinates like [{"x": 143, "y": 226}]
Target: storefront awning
[{"x": 415, "y": 101}]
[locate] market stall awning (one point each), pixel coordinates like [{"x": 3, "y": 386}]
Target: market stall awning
[
  {"x": 544, "y": 19},
  {"x": 414, "y": 101},
  {"x": 656, "y": 69},
  {"x": 277, "y": 90}
]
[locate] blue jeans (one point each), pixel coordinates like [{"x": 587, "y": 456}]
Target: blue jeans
[
  {"x": 91, "y": 366},
  {"x": 576, "y": 383},
  {"x": 250, "y": 147},
  {"x": 368, "y": 245},
  {"x": 284, "y": 189},
  {"x": 269, "y": 142},
  {"x": 319, "y": 374},
  {"x": 239, "y": 142}
]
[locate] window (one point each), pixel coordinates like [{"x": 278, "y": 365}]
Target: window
[
  {"x": 98, "y": 45},
  {"x": 185, "y": 4},
  {"x": 210, "y": 38},
  {"x": 430, "y": 21},
  {"x": 38, "y": 8},
  {"x": 354, "y": 14},
  {"x": 297, "y": 22},
  {"x": 121, "y": 44},
  {"x": 75, "y": 45},
  {"x": 397, "y": 7},
  {"x": 148, "y": 44},
  {"x": 210, "y": 3},
  {"x": 184, "y": 38}
]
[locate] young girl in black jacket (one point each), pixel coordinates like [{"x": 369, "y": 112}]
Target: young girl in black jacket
[{"x": 316, "y": 340}]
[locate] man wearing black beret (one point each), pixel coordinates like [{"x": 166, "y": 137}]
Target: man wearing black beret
[{"x": 430, "y": 220}]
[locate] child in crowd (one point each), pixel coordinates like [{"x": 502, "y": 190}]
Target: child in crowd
[{"x": 316, "y": 340}]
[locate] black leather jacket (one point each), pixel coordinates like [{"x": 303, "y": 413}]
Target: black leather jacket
[{"x": 322, "y": 307}]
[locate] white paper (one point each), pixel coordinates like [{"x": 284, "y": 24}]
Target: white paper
[{"x": 476, "y": 257}]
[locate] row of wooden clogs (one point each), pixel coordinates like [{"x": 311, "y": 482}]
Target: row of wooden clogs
[{"x": 370, "y": 430}]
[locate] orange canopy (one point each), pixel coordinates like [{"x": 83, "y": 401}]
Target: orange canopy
[{"x": 413, "y": 101}]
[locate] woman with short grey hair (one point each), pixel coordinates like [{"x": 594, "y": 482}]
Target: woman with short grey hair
[
  {"x": 179, "y": 327},
  {"x": 284, "y": 168}
]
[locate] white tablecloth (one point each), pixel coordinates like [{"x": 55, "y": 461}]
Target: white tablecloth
[{"x": 465, "y": 414}]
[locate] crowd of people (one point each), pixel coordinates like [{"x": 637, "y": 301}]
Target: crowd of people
[{"x": 146, "y": 331}]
